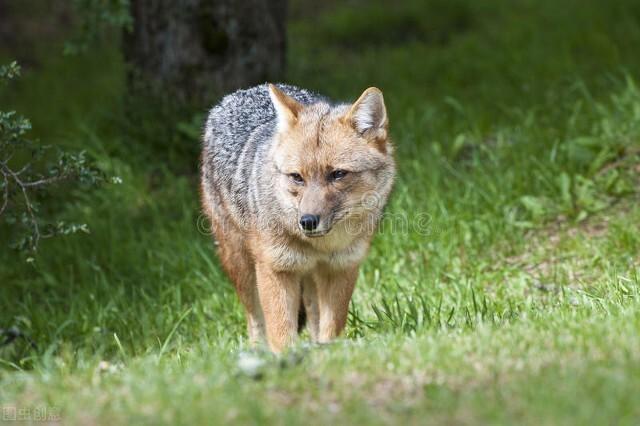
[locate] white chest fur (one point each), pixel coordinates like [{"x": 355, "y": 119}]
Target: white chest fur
[{"x": 319, "y": 254}]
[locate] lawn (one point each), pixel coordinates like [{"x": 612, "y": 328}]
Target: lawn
[{"x": 503, "y": 286}]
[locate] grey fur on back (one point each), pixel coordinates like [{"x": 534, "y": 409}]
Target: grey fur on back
[{"x": 237, "y": 136}]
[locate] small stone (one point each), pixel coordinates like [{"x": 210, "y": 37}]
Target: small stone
[{"x": 250, "y": 364}]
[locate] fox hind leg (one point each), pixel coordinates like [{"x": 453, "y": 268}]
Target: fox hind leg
[{"x": 310, "y": 306}]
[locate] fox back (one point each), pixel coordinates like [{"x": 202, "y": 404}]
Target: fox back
[{"x": 238, "y": 134}]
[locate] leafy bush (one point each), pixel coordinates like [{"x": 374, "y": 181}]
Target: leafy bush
[{"x": 28, "y": 170}]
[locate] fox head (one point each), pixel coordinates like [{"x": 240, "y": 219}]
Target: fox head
[{"x": 334, "y": 164}]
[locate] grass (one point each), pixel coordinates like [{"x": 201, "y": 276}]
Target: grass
[{"x": 503, "y": 286}]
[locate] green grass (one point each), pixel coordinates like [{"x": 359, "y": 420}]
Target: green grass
[{"x": 503, "y": 288}]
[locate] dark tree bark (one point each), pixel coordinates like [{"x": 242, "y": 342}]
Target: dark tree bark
[
  {"x": 199, "y": 49},
  {"x": 26, "y": 25}
]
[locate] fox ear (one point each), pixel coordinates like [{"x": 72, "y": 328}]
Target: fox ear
[
  {"x": 369, "y": 113},
  {"x": 287, "y": 108}
]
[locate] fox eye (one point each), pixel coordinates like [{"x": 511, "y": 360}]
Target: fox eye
[
  {"x": 338, "y": 174},
  {"x": 297, "y": 178}
]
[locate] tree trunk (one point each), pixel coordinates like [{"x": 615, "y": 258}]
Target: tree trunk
[
  {"x": 27, "y": 25},
  {"x": 199, "y": 49}
]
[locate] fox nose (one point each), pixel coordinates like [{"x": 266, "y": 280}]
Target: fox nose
[{"x": 309, "y": 222}]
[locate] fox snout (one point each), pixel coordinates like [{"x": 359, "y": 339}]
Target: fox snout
[
  {"x": 314, "y": 224},
  {"x": 309, "y": 222}
]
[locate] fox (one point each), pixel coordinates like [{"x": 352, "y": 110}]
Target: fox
[{"x": 294, "y": 186}]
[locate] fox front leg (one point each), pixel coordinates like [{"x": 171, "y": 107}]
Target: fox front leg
[
  {"x": 279, "y": 294},
  {"x": 334, "y": 290}
]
